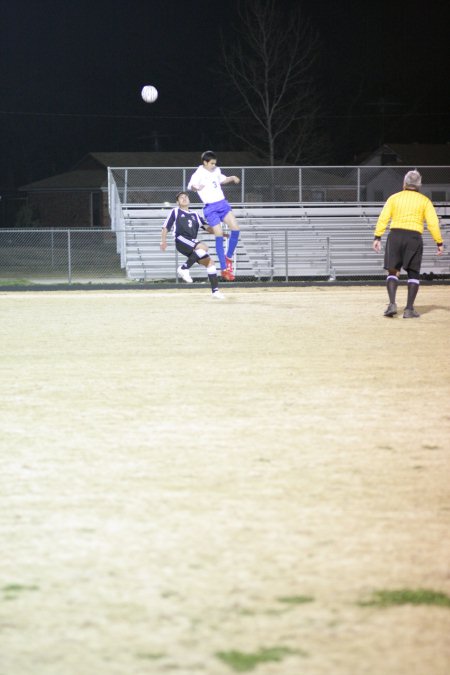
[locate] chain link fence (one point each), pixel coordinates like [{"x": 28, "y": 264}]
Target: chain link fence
[
  {"x": 292, "y": 184},
  {"x": 283, "y": 237},
  {"x": 294, "y": 248},
  {"x": 59, "y": 256},
  {"x": 83, "y": 256}
]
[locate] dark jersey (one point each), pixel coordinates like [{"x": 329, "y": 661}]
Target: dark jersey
[{"x": 184, "y": 223}]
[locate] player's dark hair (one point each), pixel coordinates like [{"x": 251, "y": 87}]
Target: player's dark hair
[
  {"x": 207, "y": 155},
  {"x": 183, "y": 192}
]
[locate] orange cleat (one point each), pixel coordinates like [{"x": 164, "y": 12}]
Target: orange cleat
[{"x": 227, "y": 275}]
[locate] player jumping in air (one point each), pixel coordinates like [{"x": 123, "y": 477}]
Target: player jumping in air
[
  {"x": 185, "y": 225},
  {"x": 207, "y": 181},
  {"x": 406, "y": 211}
]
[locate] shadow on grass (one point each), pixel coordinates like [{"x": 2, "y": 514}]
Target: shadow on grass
[{"x": 426, "y": 309}]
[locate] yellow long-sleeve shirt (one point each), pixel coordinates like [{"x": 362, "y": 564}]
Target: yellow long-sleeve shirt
[{"x": 408, "y": 210}]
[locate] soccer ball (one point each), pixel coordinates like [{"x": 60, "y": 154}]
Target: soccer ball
[{"x": 149, "y": 93}]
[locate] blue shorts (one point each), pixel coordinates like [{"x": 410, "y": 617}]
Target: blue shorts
[{"x": 216, "y": 212}]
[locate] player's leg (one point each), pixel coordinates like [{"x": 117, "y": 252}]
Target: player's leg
[
  {"x": 215, "y": 214},
  {"x": 186, "y": 247},
  {"x": 212, "y": 213},
  {"x": 230, "y": 220},
  {"x": 392, "y": 285},
  {"x": 200, "y": 251},
  {"x": 412, "y": 265},
  {"x": 201, "y": 256},
  {"x": 413, "y": 289},
  {"x": 212, "y": 278},
  {"x": 393, "y": 264},
  {"x": 218, "y": 233},
  {"x": 221, "y": 212}
]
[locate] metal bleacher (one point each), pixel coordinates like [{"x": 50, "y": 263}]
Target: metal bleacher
[{"x": 284, "y": 242}]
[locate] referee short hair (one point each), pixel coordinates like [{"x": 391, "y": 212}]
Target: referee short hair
[{"x": 413, "y": 179}]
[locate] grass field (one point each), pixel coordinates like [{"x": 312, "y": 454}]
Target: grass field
[{"x": 258, "y": 485}]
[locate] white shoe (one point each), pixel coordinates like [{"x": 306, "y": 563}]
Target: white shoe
[
  {"x": 185, "y": 275},
  {"x": 218, "y": 295}
]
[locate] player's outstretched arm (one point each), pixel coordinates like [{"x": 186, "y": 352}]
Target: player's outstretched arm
[
  {"x": 163, "y": 243},
  {"x": 231, "y": 179}
]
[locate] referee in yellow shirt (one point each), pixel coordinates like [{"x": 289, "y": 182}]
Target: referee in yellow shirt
[{"x": 406, "y": 211}]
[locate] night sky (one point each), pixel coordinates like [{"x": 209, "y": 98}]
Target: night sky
[{"x": 71, "y": 75}]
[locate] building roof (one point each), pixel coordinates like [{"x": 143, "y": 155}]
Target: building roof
[
  {"x": 89, "y": 173},
  {"x": 169, "y": 159},
  {"x": 410, "y": 154},
  {"x": 80, "y": 179}
]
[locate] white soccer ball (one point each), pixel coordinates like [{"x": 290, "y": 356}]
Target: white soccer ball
[{"x": 149, "y": 93}]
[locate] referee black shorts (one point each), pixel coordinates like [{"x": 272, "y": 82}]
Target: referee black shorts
[{"x": 404, "y": 248}]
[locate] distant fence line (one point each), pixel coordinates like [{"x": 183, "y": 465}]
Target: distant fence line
[
  {"x": 281, "y": 184},
  {"x": 95, "y": 255},
  {"x": 59, "y": 255},
  {"x": 84, "y": 254}
]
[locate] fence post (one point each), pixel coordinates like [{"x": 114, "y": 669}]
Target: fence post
[
  {"x": 272, "y": 259},
  {"x": 109, "y": 189},
  {"x": 125, "y": 187},
  {"x": 286, "y": 262},
  {"x": 358, "y": 184},
  {"x": 300, "y": 190},
  {"x": 69, "y": 257},
  {"x": 242, "y": 184}
]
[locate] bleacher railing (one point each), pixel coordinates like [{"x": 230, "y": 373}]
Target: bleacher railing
[
  {"x": 146, "y": 194},
  {"x": 117, "y": 220}
]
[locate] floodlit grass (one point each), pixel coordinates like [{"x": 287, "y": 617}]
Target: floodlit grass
[
  {"x": 242, "y": 662},
  {"x": 406, "y": 596},
  {"x": 182, "y": 479}
]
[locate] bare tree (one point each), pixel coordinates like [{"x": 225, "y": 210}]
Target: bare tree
[{"x": 270, "y": 65}]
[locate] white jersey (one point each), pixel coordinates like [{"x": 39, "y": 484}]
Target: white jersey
[{"x": 211, "y": 181}]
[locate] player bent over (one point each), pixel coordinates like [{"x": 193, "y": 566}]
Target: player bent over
[
  {"x": 406, "y": 212},
  {"x": 185, "y": 226},
  {"x": 207, "y": 181}
]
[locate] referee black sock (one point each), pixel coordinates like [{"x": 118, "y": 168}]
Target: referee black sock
[
  {"x": 413, "y": 289},
  {"x": 392, "y": 283}
]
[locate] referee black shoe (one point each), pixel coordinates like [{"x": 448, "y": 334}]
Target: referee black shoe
[
  {"x": 391, "y": 309},
  {"x": 410, "y": 314}
]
